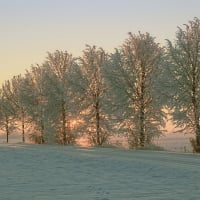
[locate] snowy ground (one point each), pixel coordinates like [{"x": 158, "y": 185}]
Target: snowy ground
[{"x": 43, "y": 172}]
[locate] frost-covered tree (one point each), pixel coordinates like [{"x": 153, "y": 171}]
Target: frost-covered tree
[
  {"x": 60, "y": 95},
  {"x": 133, "y": 76},
  {"x": 12, "y": 93},
  {"x": 184, "y": 55},
  {"x": 95, "y": 116},
  {"x": 34, "y": 99},
  {"x": 7, "y": 112}
]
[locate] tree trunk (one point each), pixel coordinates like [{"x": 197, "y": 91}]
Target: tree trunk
[
  {"x": 142, "y": 131},
  {"x": 64, "y": 129},
  {"x": 98, "y": 139},
  {"x": 195, "y": 106},
  {"x": 23, "y": 127},
  {"x": 7, "y": 129},
  {"x": 142, "y": 107},
  {"x": 42, "y": 141},
  {"x": 197, "y": 126},
  {"x": 23, "y": 132}
]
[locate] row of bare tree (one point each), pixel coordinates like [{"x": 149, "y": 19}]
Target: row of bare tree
[{"x": 100, "y": 94}]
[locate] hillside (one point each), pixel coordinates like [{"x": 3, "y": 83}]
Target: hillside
[{"x": 59, "y": 172}]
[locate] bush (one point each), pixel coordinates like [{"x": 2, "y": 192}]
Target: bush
[
  {"x": 151, "y": 147},
  {"x": 37, "y": 139}
]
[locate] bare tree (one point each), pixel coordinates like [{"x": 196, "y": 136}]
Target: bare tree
[{"x": 185, "y": 70}]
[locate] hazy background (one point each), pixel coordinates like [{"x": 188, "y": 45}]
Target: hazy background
[{"x": 30, "y": 28}]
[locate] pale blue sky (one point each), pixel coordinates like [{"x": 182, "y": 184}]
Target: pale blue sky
[{"x": 30, "y": 28}]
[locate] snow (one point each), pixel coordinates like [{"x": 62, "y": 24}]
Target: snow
[
  {"x": 44, "y": 172},
  {"x": 177, "y": 142}
]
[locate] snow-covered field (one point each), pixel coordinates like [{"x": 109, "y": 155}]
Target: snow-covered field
[
  {"x": 177, "y": 142},
  {"x": 44, "y": 172}
]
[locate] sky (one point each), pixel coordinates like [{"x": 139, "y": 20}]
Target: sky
[{"x": 31, "y": 28}]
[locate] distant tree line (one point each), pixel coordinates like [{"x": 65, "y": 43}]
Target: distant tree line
[{"x": 100, "y": 94}]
